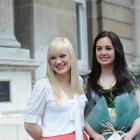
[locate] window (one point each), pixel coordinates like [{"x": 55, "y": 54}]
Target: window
[
  {"x": 4, "y": 91},
  {"x": 82, "y": 50}
]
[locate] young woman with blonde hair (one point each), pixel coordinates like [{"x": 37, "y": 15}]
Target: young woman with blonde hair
[{"x": 58, "y": 99}]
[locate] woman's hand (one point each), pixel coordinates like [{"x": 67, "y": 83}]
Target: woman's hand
[
  {"x": 135, "y": 130},
  {"x": 92, "y": 133},
  {"x": 126, "y": 136},
  {"x": 34, "y": 130},
  {"x": 98, "y": 136}
]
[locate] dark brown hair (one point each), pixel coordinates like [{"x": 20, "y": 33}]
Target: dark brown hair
[{"x": 120, "y": 66}]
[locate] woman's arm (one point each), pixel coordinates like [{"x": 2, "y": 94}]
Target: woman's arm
[
  {"x": 135, "y": 129},
  {"x": 34, "y": 130},
  {"x": 92, "y": 133},
  {"x": 35, "y": 109}
]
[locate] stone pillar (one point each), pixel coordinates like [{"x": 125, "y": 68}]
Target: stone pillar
[
  {"x": 9, "y": 46},
  {"x": 136, "y": 64},
  {"x": 15, "y": 65},
  {"x": 7, "y": 38}
]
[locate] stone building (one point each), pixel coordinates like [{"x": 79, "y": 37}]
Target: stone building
[{"x": 28, "y": 26}]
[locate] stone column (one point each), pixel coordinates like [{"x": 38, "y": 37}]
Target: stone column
[
  {"x": 15, "y": 65},
  {"x": 9, "y": 46},
  {"x": 136, "y": 64},
  {"x": 7, "y": 38}
]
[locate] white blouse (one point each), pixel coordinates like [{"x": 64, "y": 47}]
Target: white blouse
[{"x": 56, "y": 118}]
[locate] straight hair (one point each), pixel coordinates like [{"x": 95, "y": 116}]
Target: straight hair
[{"x": 59, "y": 44}]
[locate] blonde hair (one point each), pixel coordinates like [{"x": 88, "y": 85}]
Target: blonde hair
[{"x": 57, "y": 45}]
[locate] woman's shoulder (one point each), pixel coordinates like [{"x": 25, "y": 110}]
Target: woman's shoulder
[
  {"x": 85, "y": 79},
  {"x": 41, "y": 88},
  {"x": 133, "y": 78},
  {"x": 41, "y": 83},
  {"x": 80, "y": 78},
  {"x": 131, "y": 74}
]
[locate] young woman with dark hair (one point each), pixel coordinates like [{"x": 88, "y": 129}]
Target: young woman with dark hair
[{"x": 110, "y": 78}]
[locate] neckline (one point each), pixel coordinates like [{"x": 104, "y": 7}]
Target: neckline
[
  {"x": 67, "y": 98},
  {"x": 107, "y": 89}
]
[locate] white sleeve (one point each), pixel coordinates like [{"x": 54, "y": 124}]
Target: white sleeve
[{"x": 36, "y": 103}]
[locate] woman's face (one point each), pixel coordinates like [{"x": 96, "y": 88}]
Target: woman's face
[
  {"x": 105, "y": 52},
  {"x": 61, "y": 63}
]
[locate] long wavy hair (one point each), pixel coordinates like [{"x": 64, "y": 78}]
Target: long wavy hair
[
  {"x": 57, "y": 45},
  {"x": 120, "y": 67}
]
